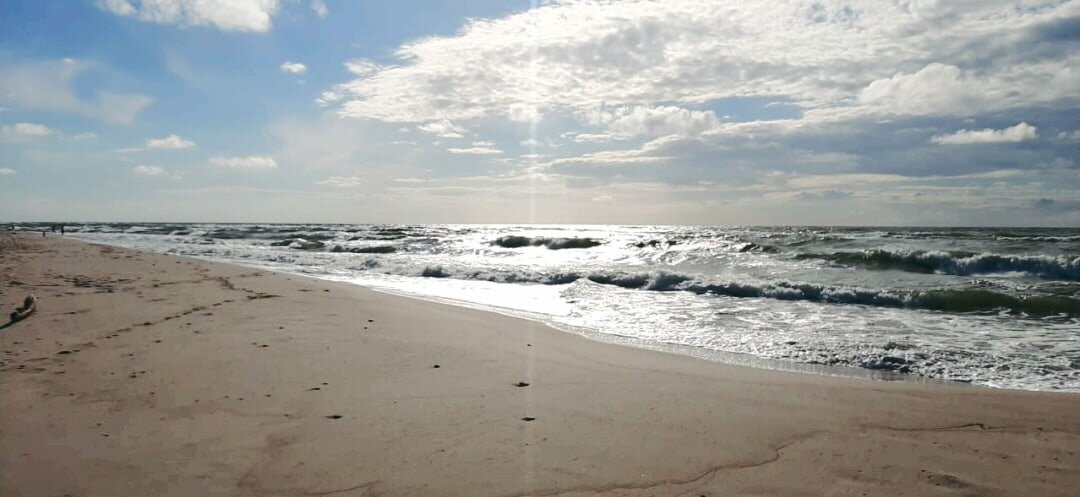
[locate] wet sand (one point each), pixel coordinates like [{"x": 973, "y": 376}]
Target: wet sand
[{"x": 143, "y": 374}]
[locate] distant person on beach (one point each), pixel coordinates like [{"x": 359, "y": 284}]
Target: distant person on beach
[{"x": 61, "y": 230}]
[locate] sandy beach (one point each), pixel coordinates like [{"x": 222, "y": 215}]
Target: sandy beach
[{"x": 143, "y": 374}]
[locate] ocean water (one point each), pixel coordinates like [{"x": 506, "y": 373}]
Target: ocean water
[{"x": 995, "y": 307}]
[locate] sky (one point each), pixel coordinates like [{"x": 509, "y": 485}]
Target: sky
[{"x": 762, "y": 112}]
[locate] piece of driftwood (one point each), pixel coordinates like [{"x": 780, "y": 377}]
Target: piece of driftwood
[{"x": 29, "y": 304}]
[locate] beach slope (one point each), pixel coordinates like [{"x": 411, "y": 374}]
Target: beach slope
[{"x": 144, "y": 374}]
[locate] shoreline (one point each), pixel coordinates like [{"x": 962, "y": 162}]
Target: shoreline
[
  {"x": 710, "y": 355},
  {"x": 738, "y": 359},
  {"x": 187, "y": 377}
]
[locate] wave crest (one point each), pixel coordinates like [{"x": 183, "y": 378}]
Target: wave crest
[
  {"x": 515, "y": 241},
  {"x": 957, "y": 263}
]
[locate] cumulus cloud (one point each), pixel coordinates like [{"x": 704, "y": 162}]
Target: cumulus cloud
[
  {"x": 760, "y": 104},
  {"x": 169, "y": 142},
  {"x": 442, "y": 129},
  {"x": 936, "y": 88},
  {"x": 633, "y": 121},
  {"x": 853, "y": 59},
  {"x": 1015, "y": 134},
  {"x": 145, "y": 170},
  {"x": 228, "y": 15},
  {"x": 252, "y": 162},
  {"x": 319, "y": 7},
  {"x": 7, "y": 171},
  {"x": 27, "y": 129},
  {"x": 50, "y": 86},
  {"x": 1066, "y": 136},
  {"x": 293, "y": 68}
]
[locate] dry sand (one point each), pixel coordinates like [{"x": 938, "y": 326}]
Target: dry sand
[{"x": 152, "y": 375}]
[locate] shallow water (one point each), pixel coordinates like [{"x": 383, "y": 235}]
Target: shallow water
[{"x": 996, "y": 307}]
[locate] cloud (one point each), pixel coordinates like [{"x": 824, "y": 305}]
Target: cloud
[
  {"x": 253, "y": 162},
  {"x": 841, "y": 60},
  {"x": 652, "y": 152},
  {"x": 293, "y": 68},
  {"x": 827, "y": 195},
  {"x": 7, "y": 171},
  {"x": 478, "y": 148},
  {"x": 595, "y": 137},
  {"x": 169, "y": 142},
  {"x": 50, "y": 86},
  {"x": 144, "y": 170},
  {"x": 27, "y": 129},
  {"x": 934, "y": 89},
  {"x": 627, "y": 121},
  {"x": 319, "y": 6},
  {"x": 1066, "y": 136},
  {"x": 342, "y": 181},
  {"x": 1020, "y": 132},
  {"x": 442, "y": 129},
  {"x": 227, "y": 15}
]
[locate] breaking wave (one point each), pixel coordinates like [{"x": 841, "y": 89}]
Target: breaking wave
[
  {"x": 551, "y": 243},
  {"x": 957, "y": 263},
  {"x": 944, "y": 300}
]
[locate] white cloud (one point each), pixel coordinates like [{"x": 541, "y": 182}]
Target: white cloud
[
  {"x": 627, "y": 121},
  {"x": 7, "y": 171},
  {"x": 49, "y": 86},
  {"x": 319, "y": 6},
  {"x": 934, "y": 89},
  {"x": 361, "y": 67},
  {"x": 27, "y": 129},
  {"x": 649, "y": 153},
  {"x": 342, "y": 181},
  {"x": 837, "y": 55},
  {"x": 228, "y": 15},
  {"x": 475, "y": 150},
  {"x": 253, "y": 162},
  {"x": 169, "y": 142},
  {"x": 1069, "y": 137},
  {"x": 595, "y": 137},
  {"x": 442, "y": 129},
  {"x": 145, "y": 170},
  {"x": 1015, "y": 134},
  {"x": 293, "y": 68}
]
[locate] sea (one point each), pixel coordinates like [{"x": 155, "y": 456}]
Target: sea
[{"x": 997, "y": 307}]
